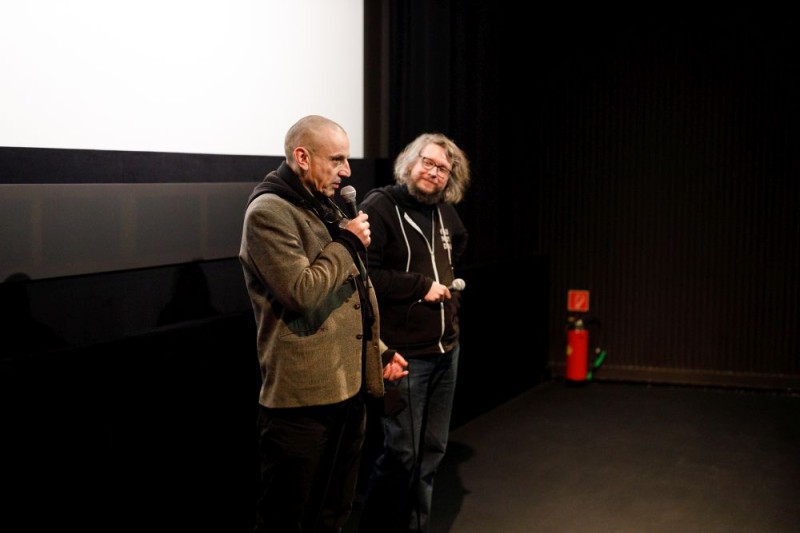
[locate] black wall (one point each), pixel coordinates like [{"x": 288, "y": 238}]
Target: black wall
[{"x": 120, "y": 435}]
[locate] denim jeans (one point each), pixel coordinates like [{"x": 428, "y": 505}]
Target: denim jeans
[{"x": 400, "y": 486}]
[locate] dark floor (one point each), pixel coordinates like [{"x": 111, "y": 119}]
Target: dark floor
[{"x": 615, "y": 457}]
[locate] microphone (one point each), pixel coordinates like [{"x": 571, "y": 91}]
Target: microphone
[
  {"x": 457, "y": 285},
  {"x": 348, "y": 194}
]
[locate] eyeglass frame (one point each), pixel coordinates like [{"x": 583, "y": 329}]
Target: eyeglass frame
[{"x": 429, "y": 164}]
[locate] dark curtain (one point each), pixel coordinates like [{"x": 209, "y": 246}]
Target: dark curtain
[
  {"x": 449, "y": 73},
  {"x": 647, "y": 155}
]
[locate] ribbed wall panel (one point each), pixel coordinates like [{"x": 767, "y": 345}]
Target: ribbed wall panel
[{"x": 669, "y": 190}]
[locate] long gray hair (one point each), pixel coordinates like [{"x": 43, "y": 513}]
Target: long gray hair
[{"x": 460, "y": 174}]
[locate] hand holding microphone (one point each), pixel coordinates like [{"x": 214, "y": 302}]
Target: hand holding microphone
[
  {"x": 356, "y": 222},
  {"x": 439, "y": 293}
]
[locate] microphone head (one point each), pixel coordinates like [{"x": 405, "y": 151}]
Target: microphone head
[
  {"x": 348, "y": 193},
  {"x": 458, "y": 284}
]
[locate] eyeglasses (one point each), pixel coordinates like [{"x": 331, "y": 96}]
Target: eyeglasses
[{"x": 428, "y": 164}]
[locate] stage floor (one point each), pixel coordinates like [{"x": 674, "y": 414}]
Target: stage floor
[{"x": 619, "y": 457}]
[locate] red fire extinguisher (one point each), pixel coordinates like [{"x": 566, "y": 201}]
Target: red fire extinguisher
[
  {"x": 579, "y": 370},
  {"x": 577, "y": 351}
]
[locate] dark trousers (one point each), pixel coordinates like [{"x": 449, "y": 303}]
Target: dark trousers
[{"x": 309, "y": 466}]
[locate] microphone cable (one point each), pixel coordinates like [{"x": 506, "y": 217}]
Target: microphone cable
[{"x": 415, "y": 473}]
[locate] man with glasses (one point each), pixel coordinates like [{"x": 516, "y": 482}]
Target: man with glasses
[{"x": 417, "y": 240}]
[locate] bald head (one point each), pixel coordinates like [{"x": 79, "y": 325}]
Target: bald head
[{"x": 308, "y": 132}]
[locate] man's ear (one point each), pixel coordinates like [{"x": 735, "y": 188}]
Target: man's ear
[{"x": 302, "y": 157}]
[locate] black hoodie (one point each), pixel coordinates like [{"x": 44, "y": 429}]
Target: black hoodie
[{"x": 413, "y": 245}]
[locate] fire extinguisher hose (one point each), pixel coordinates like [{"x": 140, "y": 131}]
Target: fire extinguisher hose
[{"x": 597, "y": 362}]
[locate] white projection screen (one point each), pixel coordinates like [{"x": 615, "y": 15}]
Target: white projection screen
[
  {"x": 192, "y": 76},
  {"x": 162, "y": 76}
]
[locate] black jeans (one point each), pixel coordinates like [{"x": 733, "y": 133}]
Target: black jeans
[{"x": 309, "y": 466}]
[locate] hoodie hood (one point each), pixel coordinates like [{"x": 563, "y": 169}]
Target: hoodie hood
[{"x": 285, "y": 183}]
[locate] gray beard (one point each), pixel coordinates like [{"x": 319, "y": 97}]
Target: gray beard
[{"x": 426, "y": 199}]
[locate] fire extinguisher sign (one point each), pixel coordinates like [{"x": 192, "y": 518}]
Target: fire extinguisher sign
[{"x": 577, "y": 301}]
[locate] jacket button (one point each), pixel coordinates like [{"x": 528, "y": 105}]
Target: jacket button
[
  {"x": 359, "y": 336},
  {"x": 357, "y": 306}
]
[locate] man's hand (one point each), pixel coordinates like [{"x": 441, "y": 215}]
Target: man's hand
[
  {"x": 360, "y": 227},
  {"x": 396, "y": 368}
]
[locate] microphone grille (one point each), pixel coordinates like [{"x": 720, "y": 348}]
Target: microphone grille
[
  {"x": 349, "y": 193},
  {"x": 459, "y": 284}
]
